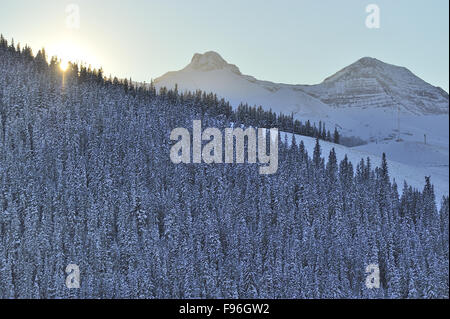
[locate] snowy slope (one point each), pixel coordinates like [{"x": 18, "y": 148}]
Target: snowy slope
[
  {"x": 389, "y": 107},
  {"x": 398, "y": 170},
  {"x": 210, "y": 73}
]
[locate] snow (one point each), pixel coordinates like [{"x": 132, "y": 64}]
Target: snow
[{"x": 400, "y": 169}]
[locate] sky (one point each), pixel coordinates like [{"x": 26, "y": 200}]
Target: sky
[{"x": 296, "y": 42}]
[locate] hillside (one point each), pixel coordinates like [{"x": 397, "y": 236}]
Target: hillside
[
  {"x": 402, "y": 168},
  {"x": 86, "y": 179},
  {"x": 387, "y": 106}
]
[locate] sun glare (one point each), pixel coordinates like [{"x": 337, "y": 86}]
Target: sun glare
[
  {"x": 73, "y": 52},
  {"x": 63, "y": 65}
]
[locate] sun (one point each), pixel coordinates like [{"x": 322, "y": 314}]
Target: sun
[
  {"x": 64, "y": 65},
  {"x": 73, "y": 52}
]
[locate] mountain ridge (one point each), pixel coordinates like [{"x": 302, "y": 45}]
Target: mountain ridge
[{"x": 367, "y": 82}]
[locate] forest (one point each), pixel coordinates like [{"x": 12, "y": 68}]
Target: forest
[{"x": 86, "y": 179}]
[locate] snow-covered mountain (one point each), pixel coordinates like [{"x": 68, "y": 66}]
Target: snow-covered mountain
[
  {"x": 389, "y": 107},
  {"x": 369, "y": 99},
  {"x": 210, "y": 72},
  {"x": 367, "y": 83},
  {"x": 370, "y": 83}
]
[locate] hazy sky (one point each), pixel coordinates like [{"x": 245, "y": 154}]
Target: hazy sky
[{"x": 300, "y": 42}]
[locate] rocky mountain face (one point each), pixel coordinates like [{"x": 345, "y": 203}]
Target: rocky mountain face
[
  {"x": 370, "y": 83},
  {"x": 211, "y": 61}
]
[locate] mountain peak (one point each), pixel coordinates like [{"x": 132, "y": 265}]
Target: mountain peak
[
  {"x": 368, "y": 67},
  {"x": 210, "y": 61},
  {"x": 371, "y": 82},
  {"x": 369, "y": 61}
]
